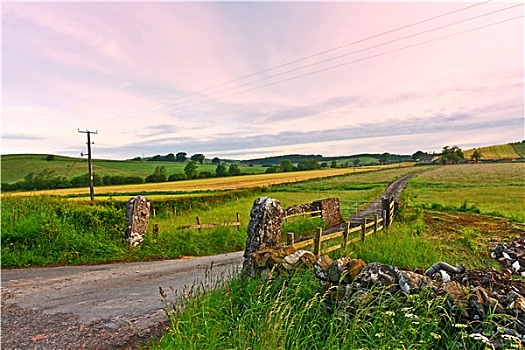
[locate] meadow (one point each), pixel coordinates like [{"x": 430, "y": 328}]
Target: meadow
[
  {"x": 448, "y": 213},
  {"x": 289, "y": 312},
  {"x": 16, "y": 167},
  {"x": 486, "y": 188},
  {"x": 48, "y": 230},
  {"x": 165, "y": 189}
]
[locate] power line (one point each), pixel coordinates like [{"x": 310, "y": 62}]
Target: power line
[
  {"x": 163, "y": 105},
  {"x": 151, "y": 109},
  {"x": 366, "y": 58},
  {"x": 344, "y": 55}
]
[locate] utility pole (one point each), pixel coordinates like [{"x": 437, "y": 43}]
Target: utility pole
[{"x": 90, "y": 163}]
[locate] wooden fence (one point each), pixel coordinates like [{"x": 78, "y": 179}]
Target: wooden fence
[
  {"x": 369, "y": 225},
  {"x": 312, "y": 215},
  {"x": 201, "y": 225}
]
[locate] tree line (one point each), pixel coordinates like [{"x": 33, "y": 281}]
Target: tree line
[{"x": 48, "y": 179}]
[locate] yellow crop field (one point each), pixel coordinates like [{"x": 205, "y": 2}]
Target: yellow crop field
[
  {"x": 494, "y": 152},
  {"x": 214, "y": 184}
]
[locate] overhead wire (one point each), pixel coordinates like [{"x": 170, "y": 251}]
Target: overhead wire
[
  {"x": 306, "y": 58},
  {"x": 145, "y": 111},
  {"x": 339, "y": 56}
]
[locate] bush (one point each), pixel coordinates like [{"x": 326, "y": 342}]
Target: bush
[{"x": 177, "y": 177}]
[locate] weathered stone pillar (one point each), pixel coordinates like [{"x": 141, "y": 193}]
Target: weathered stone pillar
[
  {"x": 137, "y": 218},
  {"x": 331, "y": 210},
  {"x": 264, "y": 228}
]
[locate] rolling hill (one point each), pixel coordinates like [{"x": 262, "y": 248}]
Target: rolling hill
[{"x": 508, "y": 151}]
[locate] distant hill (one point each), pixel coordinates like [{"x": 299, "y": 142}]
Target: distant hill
[
  {"x": 16, "y": 166},
  {"x": 508, "y": 151},
  {"x": 364, "y": 159}
]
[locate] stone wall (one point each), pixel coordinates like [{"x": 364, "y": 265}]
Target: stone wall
[{"x": 330, "y": 210}]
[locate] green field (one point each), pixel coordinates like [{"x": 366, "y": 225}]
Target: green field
[
  {"x": 288, "y": 311},
  {"x": 439, "y": 220},
  {"x": 40, "y": 230},
  {"x": 508, "y": 151},
  {"x": 492, "y": 189},
  {"x": 16, "y": 167}
]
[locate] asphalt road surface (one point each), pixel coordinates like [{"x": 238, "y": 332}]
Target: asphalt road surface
[{"x": 112, "y": 306}]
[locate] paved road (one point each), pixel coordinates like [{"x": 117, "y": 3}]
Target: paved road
[{"x": 97, "y": 307}]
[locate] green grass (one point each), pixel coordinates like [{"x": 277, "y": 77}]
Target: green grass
[
  {"x": 15, "y": 167},
  {"x": 519, "y": 147},
  {"x": 289, "y": 312},
  {"x": 489, "y": 189}
]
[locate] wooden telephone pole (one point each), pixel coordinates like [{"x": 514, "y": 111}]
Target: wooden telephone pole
[{"x": 90, "y": 163}]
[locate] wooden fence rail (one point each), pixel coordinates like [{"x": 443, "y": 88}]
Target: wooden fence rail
[
  {"x": 313, "y": 214},
  {"x": 201, "y": 225},
  {"x": 369, "y": 225}
]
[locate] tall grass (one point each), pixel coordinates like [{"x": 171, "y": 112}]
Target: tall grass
[
  {"x": 38, "y": 231},
  {"x": 291, "y": 312},
  {"x": 44, "y": 231}
]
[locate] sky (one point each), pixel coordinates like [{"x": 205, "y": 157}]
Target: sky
[{"x": 243, "y": 80}]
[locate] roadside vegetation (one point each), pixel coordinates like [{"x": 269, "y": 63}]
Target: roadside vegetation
[
  {"x": 289, "y": 312},
  {"x": 48, "y": 230},
  {"x": 452, "y": 213}
]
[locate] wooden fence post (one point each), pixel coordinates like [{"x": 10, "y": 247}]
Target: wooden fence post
[
  {"x": 376, "y": 218},
  {"x": 155, "y": 231},
  {"x": 345, "y": 234},
  {"x": 363, "y": 229},
  {"x": 290, "y": 239},
  {"x": 199, "y": 223},
  {"x": 239, "y": 221},
  {"x": 385, "y": 206},
  {"x": 317, "y": 241}
]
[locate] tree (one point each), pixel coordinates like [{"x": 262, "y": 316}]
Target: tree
[
  {"x": 272, "y": 170},
  {"x": 234, "y": 170},
  {"x": 476, "y": 155},
  {"x": 221, "y": 170},
  {"x": 177, "y": 177},
  {"x": 159, "y": 175},
  {"x": 181, "y": 157},
  {"x": 384, "y": 158},
  {"x": 286, "y": 165},
  {"x": 216, "y": 160},
  {"x": 451, "y": 155},
  {"x": 199, "y": 157},
  {"x": 308, "y": 164},
  {"x": 418, "y": 155},
  {"x": 357, "y": 161},
  {"x": 191, "y": 170},
  {"x": 334, "y": 164},
  {"x": 170, "y": 157}
]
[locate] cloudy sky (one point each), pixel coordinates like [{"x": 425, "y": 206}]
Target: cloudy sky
[{"x": 255, "y": 79}]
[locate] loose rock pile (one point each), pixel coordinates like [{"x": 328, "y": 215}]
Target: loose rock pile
[
  {"x": 476, "y": 293},
  {"x": 511, "y": 255}
]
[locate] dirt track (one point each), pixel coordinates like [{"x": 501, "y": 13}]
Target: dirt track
[{"x": 113, "y": 306}]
